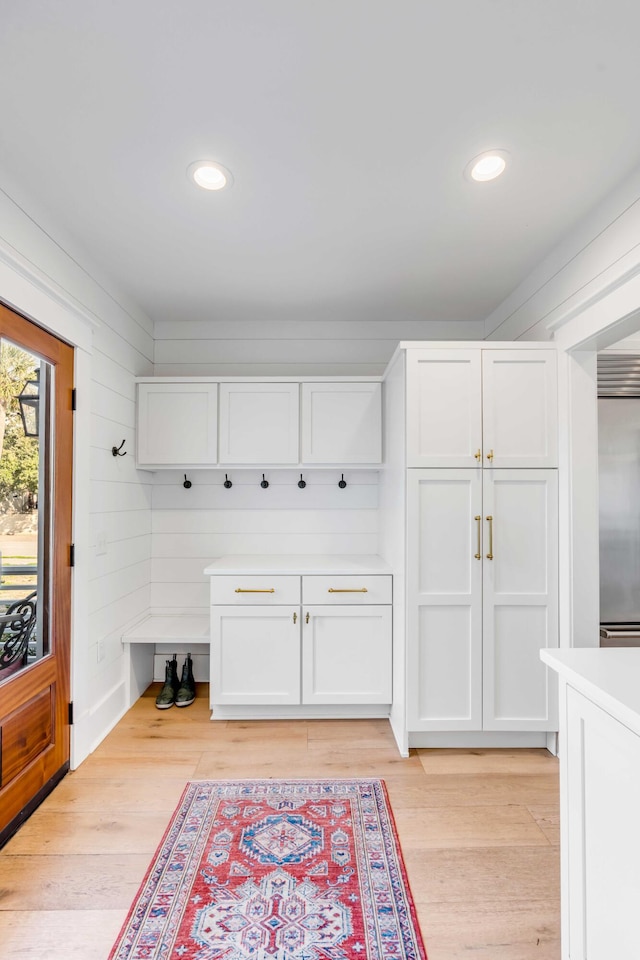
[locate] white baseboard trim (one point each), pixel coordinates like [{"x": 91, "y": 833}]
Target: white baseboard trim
[
  {"x": 321, "y": 711},
  {"x": 480, "y": 738},
  {"x": 90, "y": 728}
]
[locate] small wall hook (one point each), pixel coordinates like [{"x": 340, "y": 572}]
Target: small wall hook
[
  {"x": 342, "y": 483},
  {"x": 116, "y": 450},
  {"x": 227, "y": 483},
  {"x": 302, "y": 483},
  {"x": 264, "y": 483},
  {"x": 187, "y": 483}
]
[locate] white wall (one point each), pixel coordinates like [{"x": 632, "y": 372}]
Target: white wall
[
  {"x": 46, "y": 276},
  {"x": 292, "y": 348},
  {"x": 191, "y": 527}
]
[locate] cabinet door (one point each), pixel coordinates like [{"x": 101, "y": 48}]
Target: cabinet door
[
  {"x": 520, "y": 518},
  {"x": 177, "y": 424},
  {"x": 255, "y": 655},
  {"x": 600, "y": 832},
  {"x": 346, "y": 654},
  {"x": 341, "y": 423},
  {"x": 520, "y": 408},
  {"x": 444, "y": 408},
  {"x": 444, "y": 591},
  {"x": 259, "y": 423}
]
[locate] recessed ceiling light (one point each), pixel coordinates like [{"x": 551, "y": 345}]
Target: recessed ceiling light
[
  {"x": 487, "y": 166},
  {"x": 209, "y": 175}
]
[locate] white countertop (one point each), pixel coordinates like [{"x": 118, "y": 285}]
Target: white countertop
[
  {"x": 284, "y": 564},
  {"x": 609, "y": 677}
]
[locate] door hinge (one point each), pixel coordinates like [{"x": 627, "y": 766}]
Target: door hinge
[
  {"x": 72, "y": 554},
  {"x": 73, "y": 399},
  {"x": 71, "y": 713}
]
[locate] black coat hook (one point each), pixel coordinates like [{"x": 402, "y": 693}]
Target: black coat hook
[
  {"x": 187, "y": 483},
  {"x": 116, "y": 450},
  {"x": 302, "y": 483},
  {"x": 227, "y": 483},
  {"x": 342, "y": 483},
  {"x": 264, "y": 483}
]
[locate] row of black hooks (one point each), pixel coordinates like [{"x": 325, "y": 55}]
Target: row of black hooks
[{"x": 264, "y": 483}]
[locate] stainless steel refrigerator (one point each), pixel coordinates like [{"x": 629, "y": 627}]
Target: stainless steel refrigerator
[{"x": 619, "y": 485}]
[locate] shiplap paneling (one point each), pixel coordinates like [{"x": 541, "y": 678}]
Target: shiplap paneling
[
  {"x": 192, "y": 527},
  {"x": 122, "y": 526},
  {"x": 275, "y": 351},
  {"x": 208, "y": 492},
  {"x": 110, "y": 405},
  {"x": 336, "y": 368},
  {"x": 292, "y": 348},
  {"x": 199, "y": 522},
  {"x": 109, "y": 373},
  {"x": 316, "y": 330},
  {"x": 106, "y": 589},
  {"x": 113, "y": 588}
]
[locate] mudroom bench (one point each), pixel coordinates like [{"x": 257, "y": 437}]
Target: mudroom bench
[{"x": 163, "y": 634}]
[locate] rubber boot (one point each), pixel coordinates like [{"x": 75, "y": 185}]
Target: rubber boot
[
  {"x": 167, "y": 696},
  {"x": 187, "y": 690}
]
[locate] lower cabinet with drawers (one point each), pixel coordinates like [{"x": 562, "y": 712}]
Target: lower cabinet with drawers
[{"x": 300, "y": 644}]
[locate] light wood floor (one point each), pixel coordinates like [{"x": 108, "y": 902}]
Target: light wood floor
[{"x": 478, "y": 828}]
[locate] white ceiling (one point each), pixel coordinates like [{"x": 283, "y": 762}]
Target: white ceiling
[{"x": 346, "y": 125}]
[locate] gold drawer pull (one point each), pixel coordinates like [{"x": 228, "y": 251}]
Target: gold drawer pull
[
  {"x": 478, "y": 455},
  {"x": 490, "y": 455},
  {"x": 348, "y": 590},
  {"x": 270, "y": 590},
  {"x": 295, "y": 617},
  {"x": 306, "y": 619}
]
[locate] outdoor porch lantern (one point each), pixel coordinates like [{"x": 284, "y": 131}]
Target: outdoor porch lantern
[{"x": 29, "y": 400}]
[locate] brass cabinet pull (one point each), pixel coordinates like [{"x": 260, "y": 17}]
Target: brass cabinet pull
[
  {"x": 348, "y": 590},
  {"x": 490, "y": 455},
  {"x": 270, "y": 590},
  {"x": 478, "y": 454},
  {"x": 306, "y": 619},
  {"x": 478, "y": 555},
  {"x": 295, "y": 617},
  {"x": 490, "y": 522}
]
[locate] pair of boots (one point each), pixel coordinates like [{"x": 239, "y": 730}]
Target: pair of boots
[{"x": 182, "y": 692}]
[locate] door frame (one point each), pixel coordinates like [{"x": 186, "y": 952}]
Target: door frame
[
  {"x": 31, "y": 293},
  {"x": 48, "y": 745}
]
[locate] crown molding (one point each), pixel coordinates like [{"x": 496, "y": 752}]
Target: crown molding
[{"x": 11, "y": 258}]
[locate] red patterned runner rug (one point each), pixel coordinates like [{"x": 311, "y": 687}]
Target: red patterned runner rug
[{"x": 282, "y": 869}]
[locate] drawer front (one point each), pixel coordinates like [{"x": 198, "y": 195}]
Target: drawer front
[
  {"x": 347, "y": 589},
  {"x": 244, "y": 591}
]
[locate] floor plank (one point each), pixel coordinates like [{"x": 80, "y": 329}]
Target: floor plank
[{"x": 478, "y": 829}]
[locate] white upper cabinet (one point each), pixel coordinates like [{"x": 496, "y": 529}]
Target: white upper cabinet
[
  {"x": 467, "y": 407},
  {"x": 444, "y": 412},
  {"x": 519, "y": 406},
  {"x": 259, "y": 423},
  {"x": 177, "y": 424},
  {"x": 341, "y": 423}
]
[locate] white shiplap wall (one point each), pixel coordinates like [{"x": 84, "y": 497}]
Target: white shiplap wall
[
  {"x": 192, "y": 527},
  {"x": 292, "y": 348},
  {"x": 112, "y": 498}
]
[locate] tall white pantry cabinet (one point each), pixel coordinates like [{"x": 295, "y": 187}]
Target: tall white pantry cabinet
[{"x": 481, "y": 539}]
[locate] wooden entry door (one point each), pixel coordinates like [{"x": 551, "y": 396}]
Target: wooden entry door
[{"x": 35, "y": 574}]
